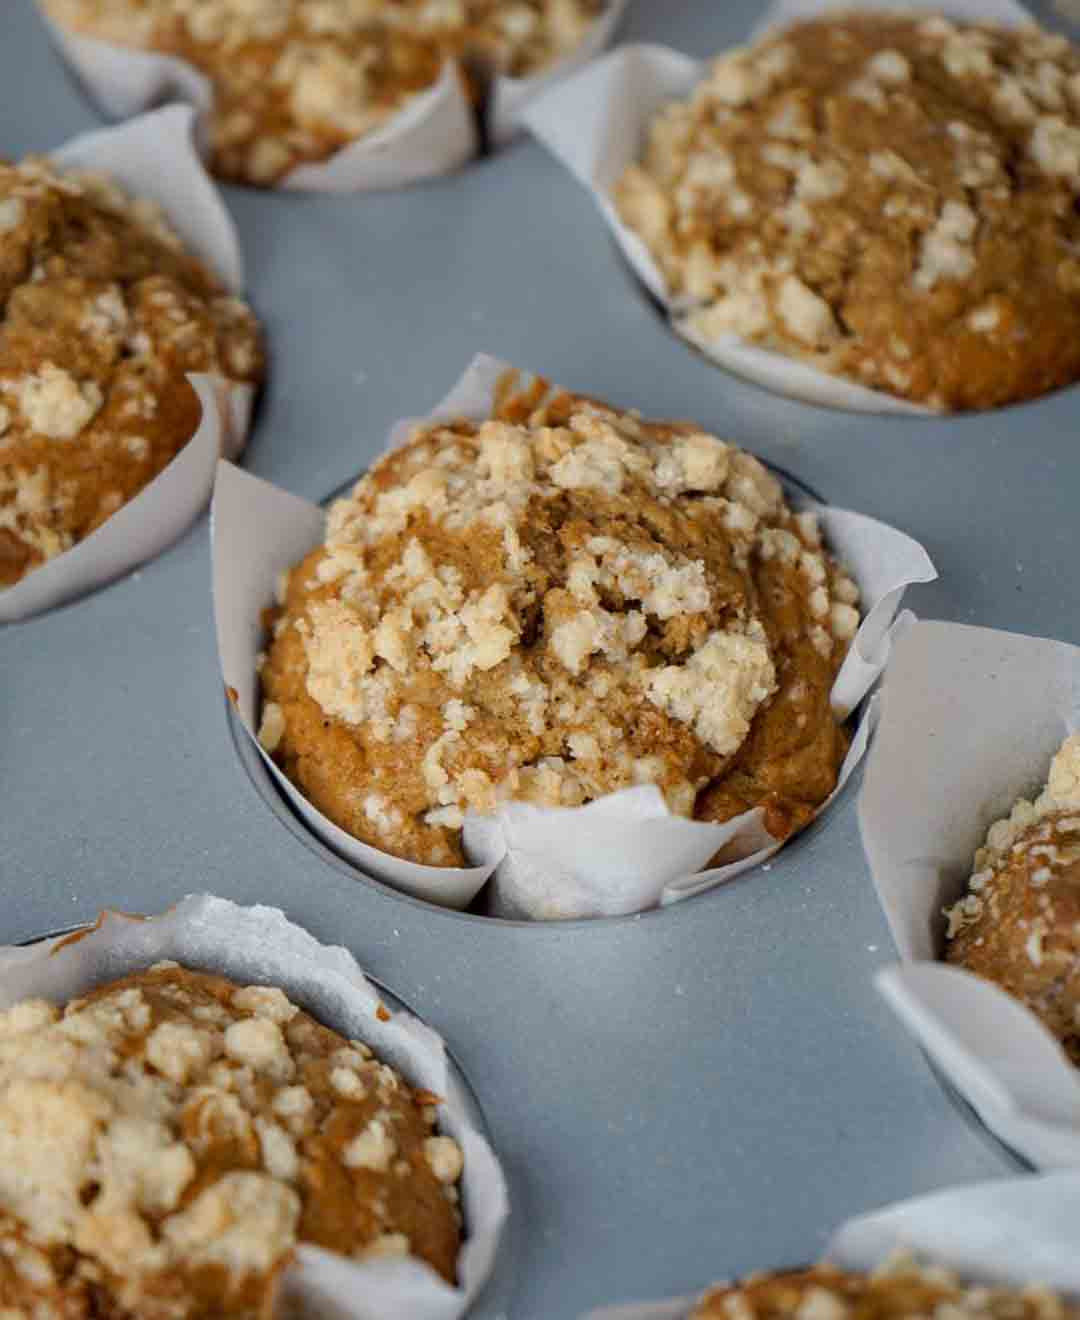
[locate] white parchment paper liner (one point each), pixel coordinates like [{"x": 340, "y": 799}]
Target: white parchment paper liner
[
  {"x": 595, "y": 123},
  {"x": 153, "y": 157},
  {"x": 259, "y": 945},
  {"x": 1008, "y": 1233},
  {"x": 434, "y": 133},
  {"x": 971, "y": 720},
  {"x": 620, "y": 854}
]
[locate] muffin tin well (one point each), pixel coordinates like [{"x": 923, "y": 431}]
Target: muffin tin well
[{"x": 692, "y": 1093}]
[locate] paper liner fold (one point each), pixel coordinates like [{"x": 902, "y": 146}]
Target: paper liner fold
[
  {"x": 596, "y": 122},
  {"x": 1008, "y": 1233},
  {"x": 153, "y": 157},
  {"x": 620, "y": 854},
  {"x": 434, "y": 133},
  {"x": 259, "y": 945},
  {"x": 971, "y": 721}
]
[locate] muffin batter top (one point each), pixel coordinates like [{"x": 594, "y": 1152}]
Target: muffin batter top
[
  {"x": 166, "y": 1142},
  {"x": 1019, "y": 923},
  {"x": 296, "y": 80},
  {"x": 556, "y": 603},
  {"x": 888, "y": 198},
  {"x": 102, "y": 314}
]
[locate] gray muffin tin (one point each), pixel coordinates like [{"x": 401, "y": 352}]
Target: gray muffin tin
[{"x": 679, "y": 1096}]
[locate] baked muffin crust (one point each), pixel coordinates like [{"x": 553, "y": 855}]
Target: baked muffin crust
[
  {"x": 551, "y": 605},
  {"x": 1019, "y": 923},
  {"x": 900, "y": 1290},
  {"x": 296, "y": 80},
  {"x": 168, "y": 1139},
  {"x": 888, "y": 198},
  {"x": 102, "y": 314}
]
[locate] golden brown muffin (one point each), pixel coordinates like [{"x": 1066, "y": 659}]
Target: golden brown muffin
[
  {"x": 888, "y": 198},
  {"x": 296, "y": 80},
  {"x": 1019, "y": 923},
  {"x": 901, "y": 1290},
  {"x": 167, "y": 1140},
  {"x": 102, "y": 314},
  {"x": 549, "y": 606}
]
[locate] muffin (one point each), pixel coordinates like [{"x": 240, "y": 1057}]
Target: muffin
[
  {"x": 888, "y": 198},
  {"x": 294, "y": 81},
  {"x": 103, "y": 314},
  {"x": 548, "y": 606},
  {"x": 901, "y": 1290},
  {"x": 1018, "y": 925},
  {"x": 170, "y": 1138}
]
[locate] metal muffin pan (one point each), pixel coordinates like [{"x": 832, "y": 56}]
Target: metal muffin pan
[{"x": 687, "y": 1094}]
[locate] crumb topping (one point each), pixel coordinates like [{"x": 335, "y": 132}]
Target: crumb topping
[
  {"x": 166, "y": 1142},
  {"x": 1018, "y": 924},
  {"x": 296, "y": 80},
  {"x": 550, "y": 605},
  {"x": 102, "y": 313},
  {"x": 891, "y": 199},
  {"x": 901, "y": 1289}
]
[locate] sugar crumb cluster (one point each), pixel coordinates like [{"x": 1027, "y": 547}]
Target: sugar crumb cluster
[
  {"x": 548, "y": 606},
  {"x": 888, "y": 198}
]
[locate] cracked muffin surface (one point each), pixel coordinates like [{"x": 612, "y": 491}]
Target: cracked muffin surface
[
  {"x": 102, "y": 314},
  {"x": 548, "y": 606},
  {"x": 1018, "y": 925},
  {"x": 902, "y": 1289},
  {"x": 294, "y": 81},
  {"x": 167, "y": 1141},
  {"x": 891, "y": 199}
]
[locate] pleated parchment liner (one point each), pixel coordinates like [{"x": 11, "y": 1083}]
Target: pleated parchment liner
[
  {"x": 595, "y": 124},
  {"x": 258, "y": 945},
  {"x": 623, "y": 853},
  {"x": 433, "y": 134},
  {"x": 1008, "y": 1233},
  {"x": 153, "y": 157},
  {"x": 971, "y": 721}
]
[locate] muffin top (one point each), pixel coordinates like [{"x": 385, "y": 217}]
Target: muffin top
[
  {"x": 888, "y": 198},
  {"x": 548, "y": 606},
  {"x": 296, "y": 80},
  {"x": 169, "y": 1139},
  {"x": 901, "y": 1290},
  {"x": 1019, "y": 922},
  {"x": 102, "y": 314}
]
